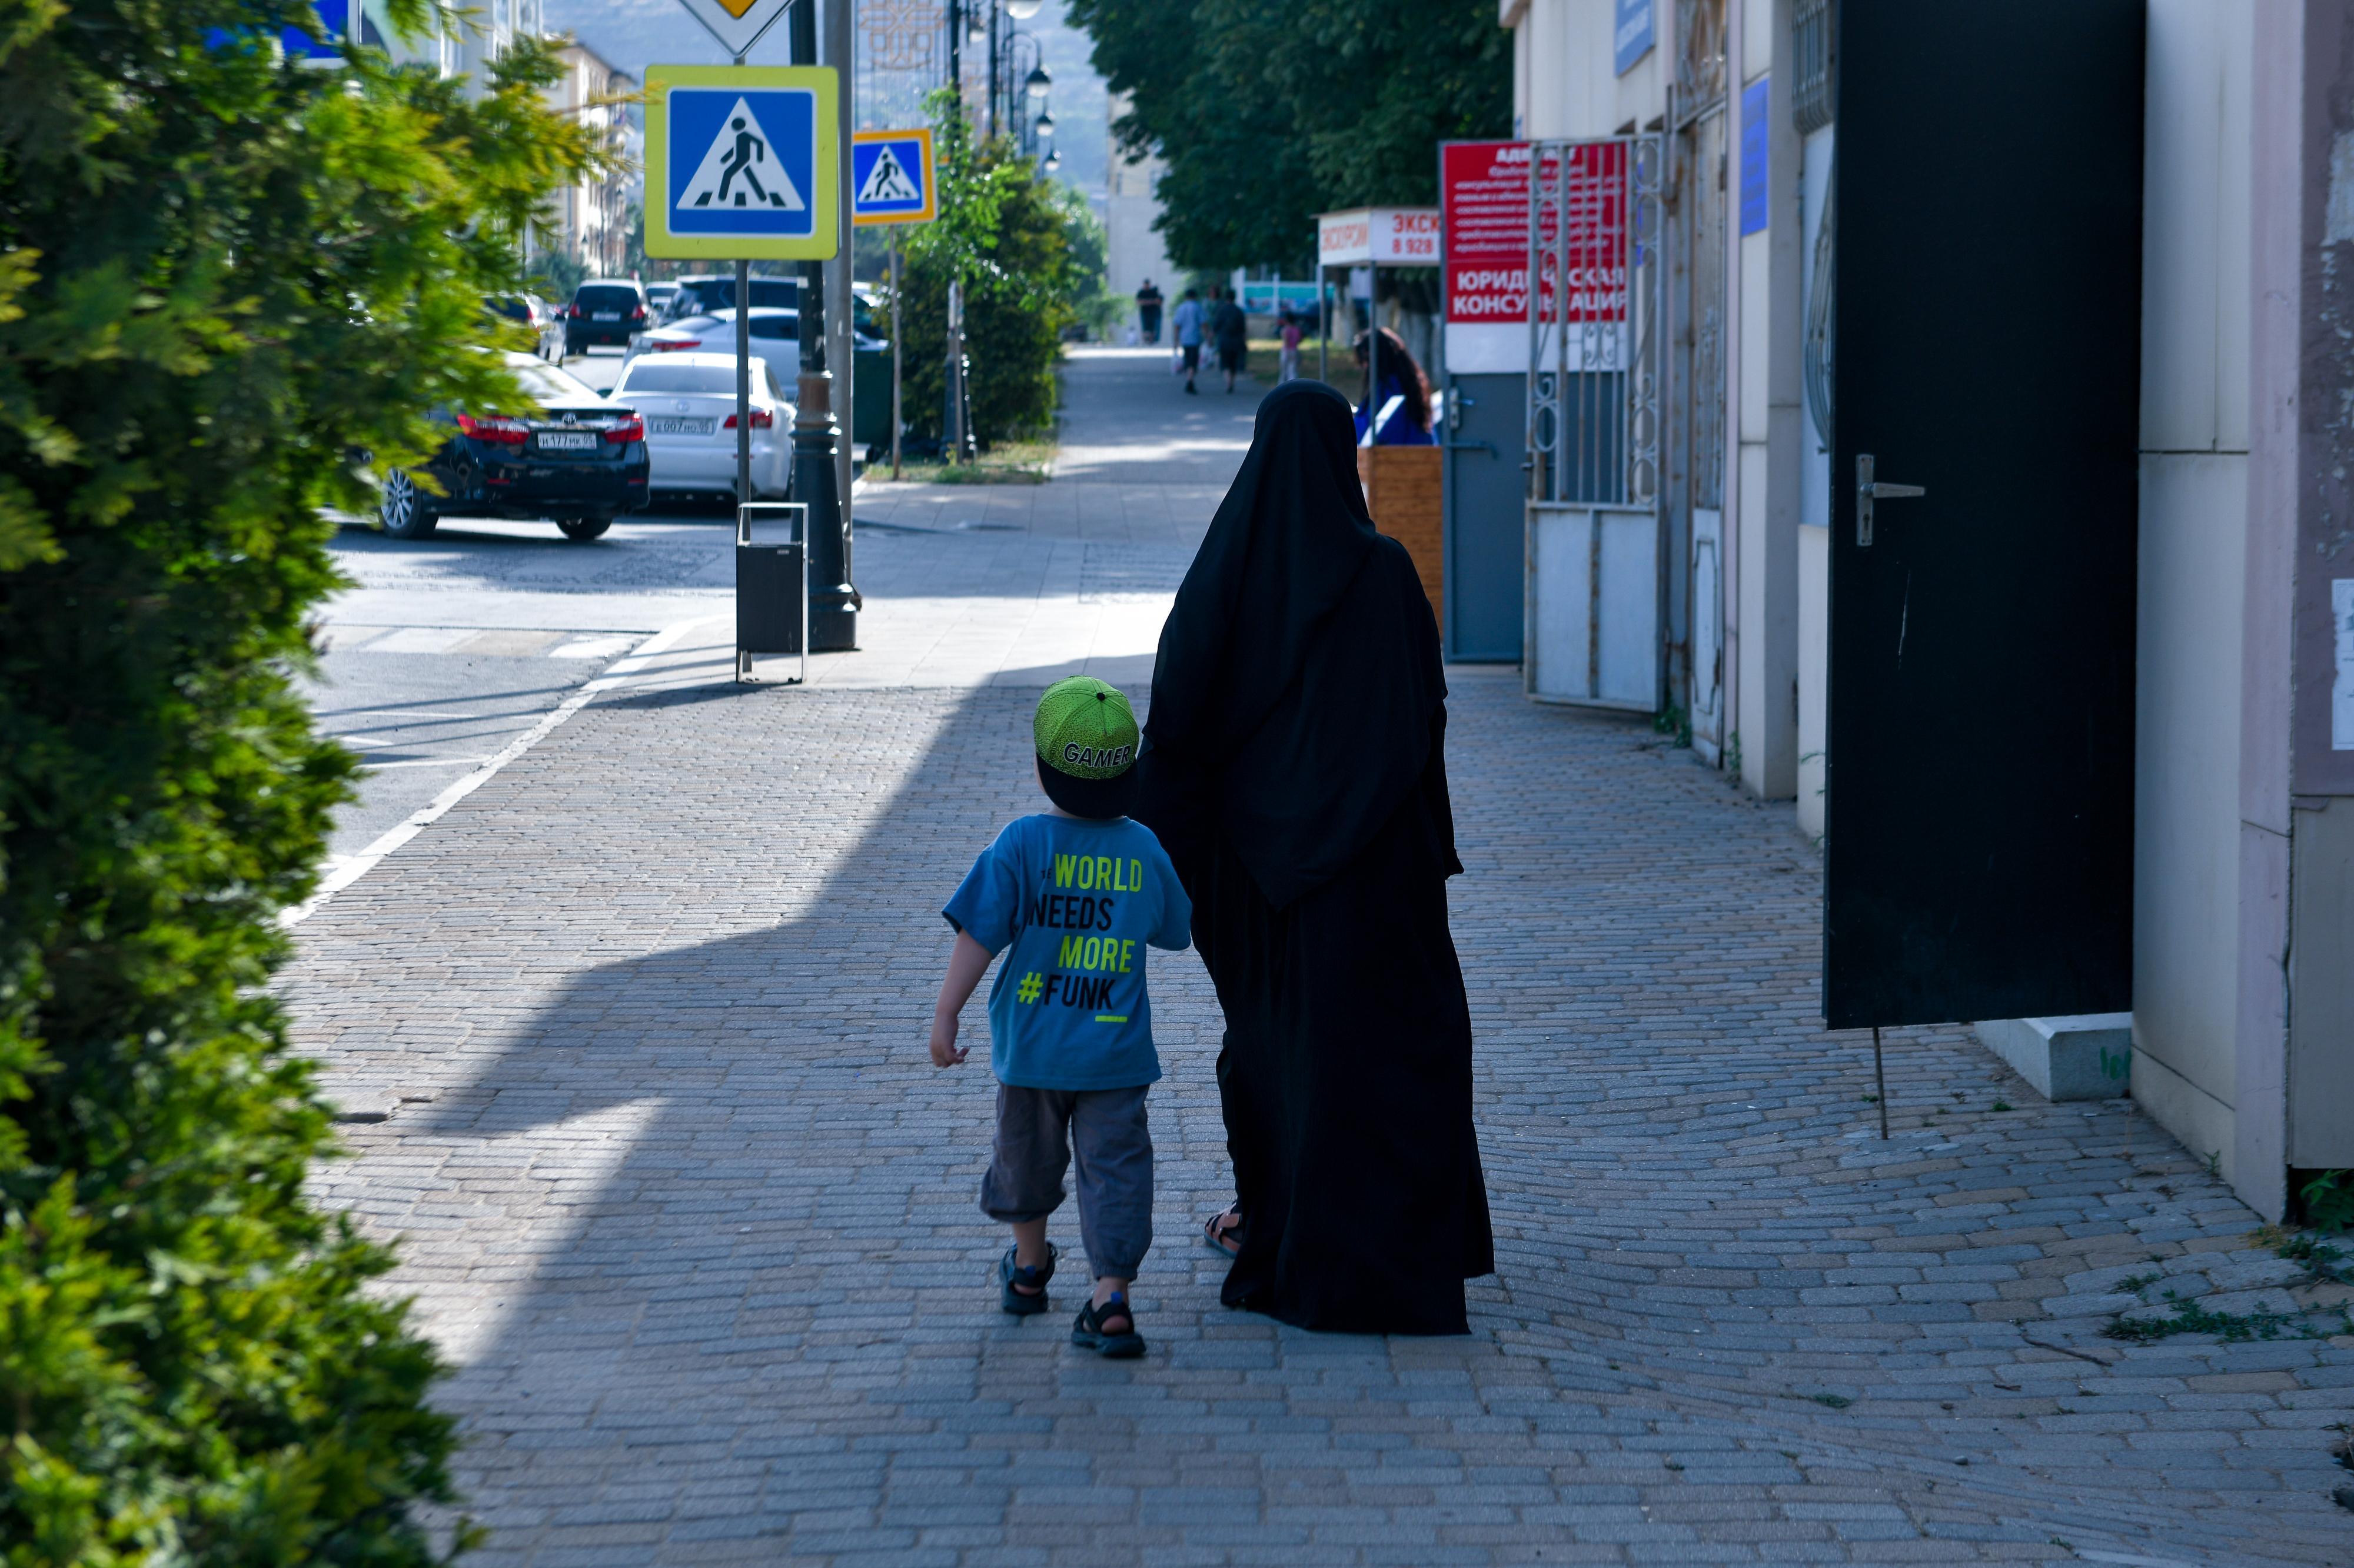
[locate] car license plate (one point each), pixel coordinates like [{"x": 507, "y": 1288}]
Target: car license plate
[
  {"x": 604, "y": 315},
  {"x": 681, "y": 426},
  {"x": 567, "y": 441}
]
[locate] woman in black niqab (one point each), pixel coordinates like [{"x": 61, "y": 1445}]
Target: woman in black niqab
[{"x": 1293, "y": 766}]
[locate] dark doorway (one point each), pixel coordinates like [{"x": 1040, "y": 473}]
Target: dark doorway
[
  {"x": 1980, "y": 805},
  {"x": 1485, "y": 486}
]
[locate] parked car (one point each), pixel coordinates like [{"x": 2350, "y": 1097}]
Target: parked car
[
  {"x": 776, "y": 338},
  {"x": 604, "y": 311},
  {"x": 689, "y": 402},
  {"x": 705, "y": 295},
  {"x": 531, "y": 311},
  {"x": 658, "y": 299},
  {"x": 579, "y": 457},
  {"x": 713, "y": 295}
]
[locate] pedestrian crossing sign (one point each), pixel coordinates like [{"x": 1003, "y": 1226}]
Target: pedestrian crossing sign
[
  {"x": 742, "y": 162},
  {"x": 891, "y": 177}
]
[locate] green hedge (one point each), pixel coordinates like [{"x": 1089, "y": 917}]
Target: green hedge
[
  {"x": 224, "y": 278},
  {"x": 1002, "y": 231}
]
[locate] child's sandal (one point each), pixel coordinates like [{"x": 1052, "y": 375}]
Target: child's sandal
[
  {"x": 1030, "y": 1298},
  {"x": 1119, "y": 1344}
]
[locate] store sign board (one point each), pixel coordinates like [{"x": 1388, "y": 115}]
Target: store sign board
[
  {"x": 1379, "y": 236},
  {"x": 1484, "y": 195},
  {"x": 1635, "y": 29}
]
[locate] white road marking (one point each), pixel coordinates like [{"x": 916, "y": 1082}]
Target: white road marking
[
  {"x": 342, "y": 873},
  {"x": 421, "y": 639},
  {"x": 590, "y": 648},
  {"x": 405, "y": 713}
]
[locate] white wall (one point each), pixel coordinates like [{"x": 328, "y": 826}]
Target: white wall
[
  {"x": 1564, "y": 75},
  {"x": 2191, "y": 569},
  {"x": 1133, "y": 249}
]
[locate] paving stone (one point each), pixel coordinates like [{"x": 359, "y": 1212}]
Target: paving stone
[{"x": 692, "y": 1214}]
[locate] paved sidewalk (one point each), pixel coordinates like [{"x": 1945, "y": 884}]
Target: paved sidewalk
[{"x": 688, "y": 1207}]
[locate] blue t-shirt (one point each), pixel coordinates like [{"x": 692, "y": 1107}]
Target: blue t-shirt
[{"x": 1077, "y": 900}]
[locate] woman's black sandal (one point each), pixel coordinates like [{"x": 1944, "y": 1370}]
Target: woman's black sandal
[
  {"x": 1031, "y": 1299},
  {"x": 1119, "y": 1344},
  {"x": 1217, "y": 1232}
]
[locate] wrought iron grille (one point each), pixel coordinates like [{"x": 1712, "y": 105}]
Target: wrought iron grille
[
  {"x": 1815, "y": 355},
  {"x": 1813, "y": 26},
  {"x": 1595, "y": 226}
]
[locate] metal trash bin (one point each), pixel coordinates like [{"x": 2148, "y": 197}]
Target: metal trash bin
[{"x": 772, "y": 587}]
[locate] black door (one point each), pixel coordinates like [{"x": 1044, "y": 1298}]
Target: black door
[{"x": 1979, "y": 804}]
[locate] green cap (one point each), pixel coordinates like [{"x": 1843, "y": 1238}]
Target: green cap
[{"x": 1085, "y": 729}]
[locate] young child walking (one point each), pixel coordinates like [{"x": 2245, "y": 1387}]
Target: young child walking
[{"x": 1073, "y": 897}]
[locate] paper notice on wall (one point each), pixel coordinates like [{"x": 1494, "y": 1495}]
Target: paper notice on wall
[{"x": 2341, "y": 690}]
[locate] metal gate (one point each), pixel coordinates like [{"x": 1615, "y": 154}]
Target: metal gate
[{"x": 1594, "y": 536}]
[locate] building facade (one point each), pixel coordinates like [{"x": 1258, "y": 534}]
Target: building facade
[
  {"x": 590, "y": 220},
  {"x": 2241, "y": 887},
  {"x": 1135, "y": 250}
]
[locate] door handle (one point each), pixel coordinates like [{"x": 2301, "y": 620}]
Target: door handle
[{"x": 1867, "y": 491}]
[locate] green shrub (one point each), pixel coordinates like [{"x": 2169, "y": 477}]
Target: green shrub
[
  {"x": 2329, "y": 1200},
  {"x": 1001, "y": 232},
  {"x": 223, "y": 278}
]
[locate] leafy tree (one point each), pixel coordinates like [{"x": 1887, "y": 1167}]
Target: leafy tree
[
  {"x": 1003, "y": 236},
  {"x": 224, "y": 277},
  {"x": 1269, "y": 111}
]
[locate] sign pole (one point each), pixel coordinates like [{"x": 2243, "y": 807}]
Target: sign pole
[
  {"x": 743, "y": 382},
  {"x": 842, "y": 357},
  {"x": 895, "y": 357},
  {"x": 1323, "y": 323},
  {"x": 743, "y": 376}
]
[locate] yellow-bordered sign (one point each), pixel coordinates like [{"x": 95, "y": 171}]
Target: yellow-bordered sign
[
  {"x": 891, "y": 177},
  {"x": 742, "y": 162}
]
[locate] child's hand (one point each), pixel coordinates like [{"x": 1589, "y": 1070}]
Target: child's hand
[{"x": 945, "y": 1052}]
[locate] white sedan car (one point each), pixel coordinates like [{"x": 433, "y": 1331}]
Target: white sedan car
[
  {"x": 689, "y": 402},
  {"x": 776, "y": 338}
]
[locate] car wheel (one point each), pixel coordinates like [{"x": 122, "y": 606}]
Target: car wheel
[
  {"x": 584, "y": 528},
  {"x": 406, "y": 512}
]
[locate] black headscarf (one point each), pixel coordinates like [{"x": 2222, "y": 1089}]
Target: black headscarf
[{"x": 1297, "y": 694}]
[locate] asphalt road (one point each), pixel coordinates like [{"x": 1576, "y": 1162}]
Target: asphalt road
[{"x": 445, "y": 649}]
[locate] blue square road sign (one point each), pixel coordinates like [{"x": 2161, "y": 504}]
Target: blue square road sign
[
  {"x": 891, "y": 177},
  {"x": 744, "y": 162}
]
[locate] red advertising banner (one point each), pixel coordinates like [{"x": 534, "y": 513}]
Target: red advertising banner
[
  {"x": 1484, "y": 194},
  {"x": 1484, "y": 197}
]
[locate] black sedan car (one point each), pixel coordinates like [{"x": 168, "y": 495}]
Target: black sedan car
[{"x": 579, "y": 458}]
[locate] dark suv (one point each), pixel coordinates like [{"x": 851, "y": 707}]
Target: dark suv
[
  {"x": 603, "y": 310},
  {"x": 708, "y": 295}
]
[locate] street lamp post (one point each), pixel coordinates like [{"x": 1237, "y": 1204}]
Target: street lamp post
[{"x": 817, "y": 435}]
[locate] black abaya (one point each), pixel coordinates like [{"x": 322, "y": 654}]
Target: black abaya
[{"x": 1293, "y": 765}]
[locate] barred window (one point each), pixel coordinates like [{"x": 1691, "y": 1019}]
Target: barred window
[{"x": 1813, "y": 24}]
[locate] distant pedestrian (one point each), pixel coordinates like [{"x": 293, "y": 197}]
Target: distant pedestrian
[
  {"x": 1187, "y": 323},
  {"x": 1147, "y": 311},
  {"x": 1401, "y": 403},
  {"x": 1295, "y": 768},
  {"x": 1232, "y": 329},
  {"x": 1289, "y": 366},
  {"x": 1076, "y": 894}
]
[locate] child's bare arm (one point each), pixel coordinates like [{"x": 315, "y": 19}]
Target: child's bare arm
[{"x": 968, "y": 961}]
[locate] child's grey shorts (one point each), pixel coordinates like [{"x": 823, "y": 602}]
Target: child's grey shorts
[{"x": 1037, "y": 1132}]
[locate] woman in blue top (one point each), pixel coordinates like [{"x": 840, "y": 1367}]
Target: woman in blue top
[{"x": 1404, "y": 401}]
